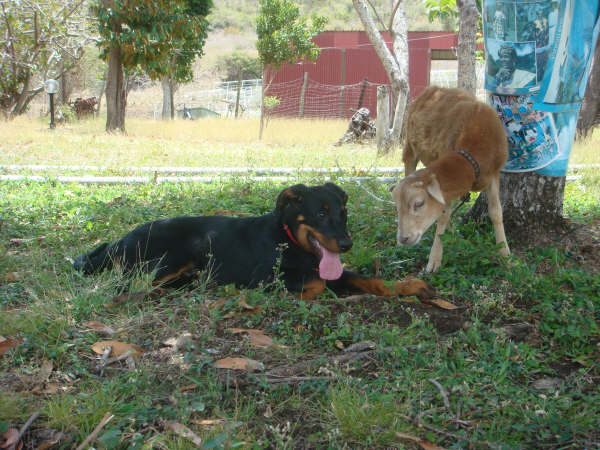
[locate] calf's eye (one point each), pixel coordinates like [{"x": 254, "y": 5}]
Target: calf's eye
[{"x": 419, "y": 203}]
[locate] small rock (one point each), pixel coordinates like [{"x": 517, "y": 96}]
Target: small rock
[{"x": 547, "y": 384}]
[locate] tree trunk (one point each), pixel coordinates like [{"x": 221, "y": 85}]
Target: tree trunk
[
  {"x": 467, "y": 76},
  {"x": 168, "y": 107},
  {"x": 589, "y": 116},
  {"x": 65, "y": 89},
  {"x": 400, "y": 86},
  {"x": 262, "y": 111},
  {"x": 382, "y": 132},
  {"x": 116, "y": 93},
  {"x": 21, "y": 103},
  {"x": 395, "y": 64},
  {"x": 531, "y": 204},
  {"x": 101, "y": 93}
]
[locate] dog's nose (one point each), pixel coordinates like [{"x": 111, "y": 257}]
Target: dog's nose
[{"x": 345, "y": 245}]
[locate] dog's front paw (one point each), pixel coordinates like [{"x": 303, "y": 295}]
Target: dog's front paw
[
  {"x": 416, "y": 287},
  {"x": 422, "y": 289}
]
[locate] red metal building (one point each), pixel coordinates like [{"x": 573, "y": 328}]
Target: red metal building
[{"x": 348, "y": 72}]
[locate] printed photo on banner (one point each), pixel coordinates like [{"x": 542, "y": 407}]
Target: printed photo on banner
[
  {"x": 532, "y": 23},
  {"x": 576, "y": 35},
  {"x": 499, "y": 21},
  {"x": 529, "y": 28},
  {"x": 566, "y": 126},
  {"x": 511, "y": 67},
  {"x": 532, "y": 142}
]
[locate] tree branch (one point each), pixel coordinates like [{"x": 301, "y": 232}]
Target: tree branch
[
  {"x": 394, "y": 14},
  {"x": 377, "y": 15}
]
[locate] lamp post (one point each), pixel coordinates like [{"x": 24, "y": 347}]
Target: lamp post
[{"x": 51, "y": 86}]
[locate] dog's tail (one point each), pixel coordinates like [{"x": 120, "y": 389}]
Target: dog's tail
[{"x": 95, "y": 261}]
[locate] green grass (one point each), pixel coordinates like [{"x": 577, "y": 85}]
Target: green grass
[{"x": 486, "y": 376}]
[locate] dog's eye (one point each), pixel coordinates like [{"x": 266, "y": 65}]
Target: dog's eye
[
  {"x": 321, "y": 214},
  {"x": 419, "y": 203}
]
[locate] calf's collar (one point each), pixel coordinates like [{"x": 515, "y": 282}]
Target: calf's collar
[{"x": 471, "y": 160}]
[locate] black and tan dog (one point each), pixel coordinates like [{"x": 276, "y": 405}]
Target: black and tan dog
[{"x": 306, "y": 232}]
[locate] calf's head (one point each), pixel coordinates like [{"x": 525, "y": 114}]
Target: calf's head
[{"x": 419, "y": 202}]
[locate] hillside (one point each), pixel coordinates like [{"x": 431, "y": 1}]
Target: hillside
[
  {"x": 233, "y": 26},
  {"x": 239, "y": 16}
]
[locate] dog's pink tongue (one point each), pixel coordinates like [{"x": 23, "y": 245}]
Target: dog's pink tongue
[{"x": 330, "y": 267}]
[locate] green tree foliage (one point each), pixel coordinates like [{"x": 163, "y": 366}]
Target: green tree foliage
[
  {"x": 441, "y": 9},
  {"x": 283, "y": 35},
  {"x": 158, "y": 37},
  {"x": 444, "y": 10},
  {"x": 234, "y": 63},
  {"x": 38, "y": 39}
]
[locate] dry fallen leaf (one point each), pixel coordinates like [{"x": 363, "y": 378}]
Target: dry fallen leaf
[
  {"x": 51, "y": 388},
  {"x": 243, "y": 304},
  {"x": 8, "y": 343},
  {"x": 268, "y": 412},
  {"x": 180, "y": 342},
  {"x": 51, "y": 438},
  {"x": 218, "y": 303},
  {"x": 247, "y": 310},
  {"x": 118, "y": 348},
  {"x": 126, "y": 298},
  {"x": 247, "y": 364},
  {"x": 100, "y": 328},
  {"x": 44, "y": 372},
  {"x": 184, "y": 432},
  {"x": 257, "y": 337},
  {"x": 547, "y": 384},
  {"x": 207, "y": 422},
  {"x": 423, "y": 444},
  {"x": 12, "y": 277},
  {"x": 188, "y": 387},
  {"x": 9, "y": 438},
  {"x": 439, "y": 302},
  {"x": 19, "y": 241}
]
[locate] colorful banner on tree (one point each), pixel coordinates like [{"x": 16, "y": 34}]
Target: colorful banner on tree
[{"x": 538, "y": 57}]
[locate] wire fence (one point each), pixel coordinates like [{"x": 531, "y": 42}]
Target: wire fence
[
  {"x": 221, "y": 99},
  {"x": 296, "y": 98}
]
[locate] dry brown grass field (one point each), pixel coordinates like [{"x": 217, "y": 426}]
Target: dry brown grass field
[{"x": 215, "y": 142}]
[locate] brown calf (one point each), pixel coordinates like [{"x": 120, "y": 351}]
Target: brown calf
[{"x": 463, "y": 145}]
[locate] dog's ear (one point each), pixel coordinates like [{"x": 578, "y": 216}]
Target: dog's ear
[
  {"x": 338, "y": 190},
  {"x": 293, "y": 194},
  {"x": 434, "y": 189}
]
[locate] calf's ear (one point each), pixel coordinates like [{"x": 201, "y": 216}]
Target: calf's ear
[{"x": 433, "y": 189}]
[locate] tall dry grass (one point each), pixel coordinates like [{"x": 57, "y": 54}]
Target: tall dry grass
[{"x": 214, "y": 142}]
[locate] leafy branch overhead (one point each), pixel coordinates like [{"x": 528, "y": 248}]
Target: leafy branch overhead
[
  {"x": 37, "y": 39},
  {"x": 283, "y": 35},
  {"x": 159, "y": 37}
]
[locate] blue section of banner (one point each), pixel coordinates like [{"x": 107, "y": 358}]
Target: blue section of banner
[{"x": 538, "y": 57}]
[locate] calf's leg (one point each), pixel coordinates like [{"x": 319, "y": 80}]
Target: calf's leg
[
  {"x": 437, "y": 249},
  {"x": 495, "y": 213}
]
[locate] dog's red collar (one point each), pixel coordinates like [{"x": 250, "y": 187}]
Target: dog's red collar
[{"x": 290, "y": 235}]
